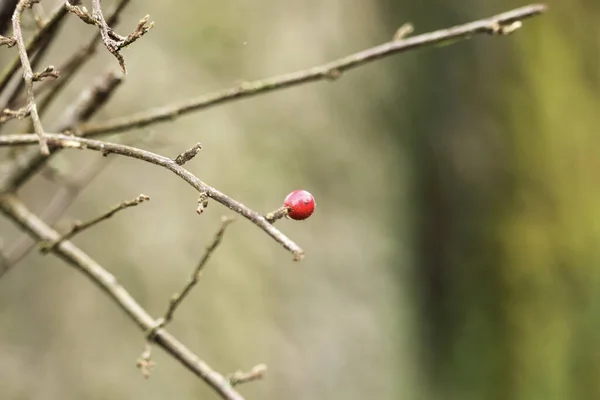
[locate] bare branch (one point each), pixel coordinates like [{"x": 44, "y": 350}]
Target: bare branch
[
  {"x": 73, "y": 64},
  {"x": 81, "y": 226},
  {"x": 90, "y": 101},
  {"x": 28, "y": 75},
  {"x": 497, "y": 25},
  {"x": 57, "y": 205},
  {"x": 67, "y": 141},
  {"x": 179, "y": 297},
  {"x": 32, "y": 45},
  {"x": 113, "y": 42},
  {"x": 15, "y": 210}
]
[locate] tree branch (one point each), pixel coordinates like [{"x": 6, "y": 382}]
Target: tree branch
[
  {"x": 113, "y": 42},
  {"x": 56, "y": 206},
  {"x": 179, "y": 297},
  {"x": 500, "y": 24},
  {"x": 14, "y": 209},
  {"x": 90, "y": 100},
  {"x": 81, "y": 226},
  {"x": 28, "y": 76},
  {"x": 67, "y": 141},
  {"x": 33, "y": 44}
]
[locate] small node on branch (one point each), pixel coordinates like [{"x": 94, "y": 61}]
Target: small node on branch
[
  {"x": 49, "y": 72},
  {"x": 332, "y": 74},
  {"x": 188, "y": 154},
  {"x": 202, "y": 202},
  {"x": 257, "y": 372},
  {"x": 7, "y": 41},
  {"x": 498, "y": 28},
  {"x": 404, "y": 31}
]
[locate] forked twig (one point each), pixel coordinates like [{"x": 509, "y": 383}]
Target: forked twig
[
  {"x": 15, "y": 210},
  {"x": 74, "y": 142},
  {"x": 113, "y": 41}
]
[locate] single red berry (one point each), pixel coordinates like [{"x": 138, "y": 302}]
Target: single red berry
[{"x": 300, "y": 203}]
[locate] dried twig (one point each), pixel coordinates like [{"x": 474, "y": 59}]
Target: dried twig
[
  {"x": 55, "y": 18},
  {"x": 257, "y": 372},
  {"x": 15, "y": 210},
  {"x": 497, "y": 25},
  {"x": 7, "y": 41},
  {"x": 89, "y": 102},
  {"x": 67, "y": 141},
  {"x": 73, "y": 64},
  {"x": 179, "y": 297},
  {"x": 81, "y": 226},
  {"x": 57, "y": 205},
  {"x": 113, "y": 42},
  {"x": 28, "y": 75},
  {"x": 145, "y": 362}
]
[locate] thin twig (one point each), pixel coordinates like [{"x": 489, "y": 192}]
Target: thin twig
[
  {"x": 113, "y": 42},
  {"x": 16, "y": 211},
  {"x": 68, "y": 69},
  {"x": 68, "y": 141},
  {"x": 81, "y": 226},
  {"x": 90, "y": 100},
  {"x": 238, "y": 377},
  {"x": 273, "y": 216},
  {"x": 497, "y": 25},
  {"x": 57, "y": 205},
  {"x": 195, "y": 277},
  {"x": 37, "y": 56},
  {"x": 7, "y": 41},
  {"x": 33, "y": 44},
  {"x": 28, "y": 75}
]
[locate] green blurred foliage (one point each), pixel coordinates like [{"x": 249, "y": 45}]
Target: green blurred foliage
[{"x": 453, "y": 251}]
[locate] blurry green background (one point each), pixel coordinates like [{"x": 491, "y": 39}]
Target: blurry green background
[{"x": 454, "y": 252}]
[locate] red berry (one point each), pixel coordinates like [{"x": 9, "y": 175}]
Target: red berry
[{"x": 300, "y": 204}]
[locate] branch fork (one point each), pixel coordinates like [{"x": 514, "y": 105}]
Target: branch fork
[{"x": 112, "y": 40}]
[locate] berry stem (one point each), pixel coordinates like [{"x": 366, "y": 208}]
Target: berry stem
[{"x": 277, "y": 214}]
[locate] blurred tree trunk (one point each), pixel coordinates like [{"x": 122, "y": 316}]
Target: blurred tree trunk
[{"x": 503, "y": 134}]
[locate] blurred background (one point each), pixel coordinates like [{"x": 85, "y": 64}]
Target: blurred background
[{"x": 454, "y": 251}]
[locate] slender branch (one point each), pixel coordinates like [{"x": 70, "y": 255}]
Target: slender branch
[
  {"x": 497, "y": 25},
  {"x": 28, "y": 75},
  {"x": 81, "y": 226},
  {"x": 57, "y": 205},
  {"x": 67, "y": 141},
  {"x": 179, "y": 297},
  {"x": 14, "y": 209},
  {"x": 113, "y": 42},
  {"x": 68, "y": 69},
  {"x": 15, "y": 93},
  {"x": 32, "y": 45},
  {"x": 90, "y": 100}
]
